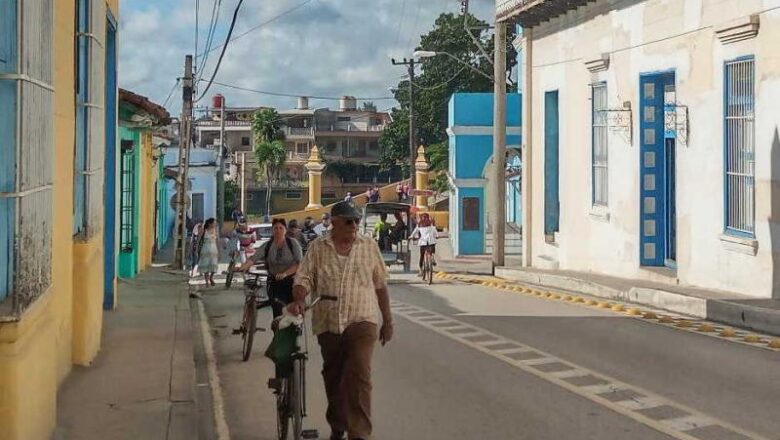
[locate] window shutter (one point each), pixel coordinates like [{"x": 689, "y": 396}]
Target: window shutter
[
  {"x": 34, "y": 165},
  {"x": 96, "y": 119}
]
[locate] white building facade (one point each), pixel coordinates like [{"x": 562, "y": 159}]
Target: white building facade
[{"x": 655, "y": 126}]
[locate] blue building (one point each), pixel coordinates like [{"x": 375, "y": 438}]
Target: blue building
[
  {"x": 471, "y": 155},
  {"x": 201, "y": 187}
]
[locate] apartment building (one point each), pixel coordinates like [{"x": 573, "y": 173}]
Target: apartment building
[{"x": 348, "y": 139}]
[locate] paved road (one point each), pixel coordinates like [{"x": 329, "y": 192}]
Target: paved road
[{"x": 474, "y": 363}]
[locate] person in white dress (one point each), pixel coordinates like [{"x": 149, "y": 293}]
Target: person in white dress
[{"x": 425, "y": 233}]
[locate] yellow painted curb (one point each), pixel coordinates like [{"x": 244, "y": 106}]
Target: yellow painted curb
[
  {"x": 579, "y": 299},
  {"x": 684, "y": 324},
  {"x": 728, "y": 333},
  {"x": 774, "y": 343},
  {"x": 633, "y": 312},
  {"x": 706, "y": 328},
  {"x": 618, "y": 308},
  {"x": 538, "y": 293},
  {"x": 553, "y": 296},
  {"x": 666, "y": 320},
  {"x": 605, "y": 305},
  {"x": 753, "y": 339},
  {"x": 568, "y": 298},
  {"x": 649, "y": 315},
  {"x": 592, "y": 302}
]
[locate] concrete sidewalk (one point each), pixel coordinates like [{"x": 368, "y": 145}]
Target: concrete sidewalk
[
  {"x": 141, "y": 386},
  {"x": 762, "y": 315}
]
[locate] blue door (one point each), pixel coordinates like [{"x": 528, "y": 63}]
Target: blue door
[
  {"x": 657, "y": 172},
  {"x": 109, "y": 236},
  {"x": 552, "y": 208}
]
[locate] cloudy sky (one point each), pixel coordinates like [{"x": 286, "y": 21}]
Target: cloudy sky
[{"x": 325, "y": 48}]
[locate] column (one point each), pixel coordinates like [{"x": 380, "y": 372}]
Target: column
[
  {"x": 314, "y": 167},
  {"x": 421, "y": 167}
]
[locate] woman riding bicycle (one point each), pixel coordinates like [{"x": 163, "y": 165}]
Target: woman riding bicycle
[
  {"x": 426, "y": 234},
  {"x": 281, "y": 256}
]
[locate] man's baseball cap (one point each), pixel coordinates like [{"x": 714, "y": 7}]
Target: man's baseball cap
[{"x": 345, "y": 210}]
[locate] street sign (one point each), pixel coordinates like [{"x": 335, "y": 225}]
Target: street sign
[{"x": 423, "y": 192}]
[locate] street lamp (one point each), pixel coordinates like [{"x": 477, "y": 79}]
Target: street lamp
[{"x": 431, "y": 54}]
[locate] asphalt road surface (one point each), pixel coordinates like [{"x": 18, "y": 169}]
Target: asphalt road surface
[{"x": 472, "y": 363}]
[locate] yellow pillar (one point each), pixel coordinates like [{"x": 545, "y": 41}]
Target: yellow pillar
[
  {"x": 421, "y": 167},
  {"x": 314, "y": 167}
]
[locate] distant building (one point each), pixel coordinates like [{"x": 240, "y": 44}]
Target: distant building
[
  {"x": 653, "y": 140},
  {"x": 470, "y": 163},
  {"x": 347, "y": 135}
]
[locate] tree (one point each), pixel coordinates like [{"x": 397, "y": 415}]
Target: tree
[
  {"x": 269, "y": 148},
  {"x": 369, "y": 106},
  {"x": 441, "y": 77}
]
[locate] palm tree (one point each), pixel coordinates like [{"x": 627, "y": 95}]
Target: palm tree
[{"x": 269, "y": 148}]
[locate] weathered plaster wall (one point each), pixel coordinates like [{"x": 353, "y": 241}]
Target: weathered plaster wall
[{"x": 642, "y": 37}]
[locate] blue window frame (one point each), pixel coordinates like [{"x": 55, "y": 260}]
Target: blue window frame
[
  {"x": 600, "y": 158},
  {"x": 8, "y": 106},
  {"x": 82, "y": 125},
  {"x": 739, "y": 147}
]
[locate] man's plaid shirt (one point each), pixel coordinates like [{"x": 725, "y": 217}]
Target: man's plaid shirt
[{"x": 353, "y": 281}]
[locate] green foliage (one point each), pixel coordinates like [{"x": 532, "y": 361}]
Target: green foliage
[
  {"x": 369, "y": 106},
  {"x": 441, "y": 77},
  {"x": 231, "y": 198},
  {"x": 269, "y": 148}
]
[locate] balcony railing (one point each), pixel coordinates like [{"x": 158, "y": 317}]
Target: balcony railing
[
  {"x": 227, "y": 124},
  {"x": 350, "y": 127},
  {"x": 293, "y": 156},
  {"x": 299, "y": 132}
]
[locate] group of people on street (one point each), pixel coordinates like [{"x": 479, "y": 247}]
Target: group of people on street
[
  {"x": 331, "y": 260},
  {"x": 402, "y": 191}
]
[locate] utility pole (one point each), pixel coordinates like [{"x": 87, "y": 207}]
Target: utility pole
[
  {"x": 180, "y": 230},
  {"x": 499, "y": 146},
  {"x": 221, "y": 172},
  {"x": 243, "y": 183},
  {"x": 412, "y": 128}
]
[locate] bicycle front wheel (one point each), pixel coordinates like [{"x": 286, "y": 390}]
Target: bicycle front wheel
[
  {"x": 296, "y": 399},
  {"x": 250, "y": 326},
  {"x": 283, "y": 410},
  {"x": 229, "y": 276}
]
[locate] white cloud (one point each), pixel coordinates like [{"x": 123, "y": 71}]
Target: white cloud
[{"x": 327, "y": 48}]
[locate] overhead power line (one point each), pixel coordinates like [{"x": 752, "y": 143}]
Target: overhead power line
[
  {"x": 215, "y": 10},
  {"x": 297, "y": 95},
  {"x": 173, "y": 89},
  {"x": 265, "y": 23},
  {"x": 224, "y": 48}
]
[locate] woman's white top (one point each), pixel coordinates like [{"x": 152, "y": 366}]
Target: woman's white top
[{"x": 427, "y": 235}]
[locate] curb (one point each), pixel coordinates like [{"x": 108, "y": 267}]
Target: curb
[
  {"x": 213, "y": 424},
  {"x": 677, "y": 321}
]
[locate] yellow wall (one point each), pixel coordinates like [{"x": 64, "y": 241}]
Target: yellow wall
[
  {"x": 64, "y": 325},
  {"x": 146, "y": 227}
]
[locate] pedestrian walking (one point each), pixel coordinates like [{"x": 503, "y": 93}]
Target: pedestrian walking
[
  {"x": 346, "y": 268},
  {"x": 348, "y": 197},
  {"x": 406, "y": 191},
  {"x": 399, "y": 191},
  {"x": 294, "y": 232},
  {"x": 194, "y": 242},
  {"x": 208, "y": 251},
  {"x": 281, "y": 255},
  {"x": 374, "y": 195}
]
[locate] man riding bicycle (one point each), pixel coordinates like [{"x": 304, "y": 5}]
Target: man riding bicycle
[{"x": 246, "y": 238}]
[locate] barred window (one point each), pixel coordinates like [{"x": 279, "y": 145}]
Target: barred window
[
  {"x": 127, "y": 197},
  {"x": 600, "y": 161},
  {"x": 740, "y": 166},
  {"x": 26, "y": 148},
  {"x": 90, "y": 118}
]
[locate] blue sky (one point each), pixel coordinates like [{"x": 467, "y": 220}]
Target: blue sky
[{"x": 324, "y": 47}]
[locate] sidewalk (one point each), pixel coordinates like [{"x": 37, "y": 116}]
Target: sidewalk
[
  {"x": 761, "y": 315},
  {"x": 141, "y": 386}
]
